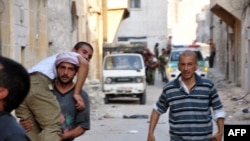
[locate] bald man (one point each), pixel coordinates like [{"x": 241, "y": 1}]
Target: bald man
[{"x": 189, "y": 99}]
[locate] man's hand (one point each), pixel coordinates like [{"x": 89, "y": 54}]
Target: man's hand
[
  {"x": 151, "y": 137},
  {"x": 62, "y": 136},
  {"x": 217, "y": 137},
  {"x": 80, "y": 105},
  {"x": 26, "y": 124}
]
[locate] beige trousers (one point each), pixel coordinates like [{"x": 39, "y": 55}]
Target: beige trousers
[{"x": 42, "y": 108}]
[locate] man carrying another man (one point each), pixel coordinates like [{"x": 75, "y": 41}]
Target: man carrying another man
[
  {"x": 74, "y": 122},
  {"x": 41, "y": 106}
]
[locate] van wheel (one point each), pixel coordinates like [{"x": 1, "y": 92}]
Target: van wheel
[
  {"x": 143, "y": 98},
  {"x": 106, "y": 99}
]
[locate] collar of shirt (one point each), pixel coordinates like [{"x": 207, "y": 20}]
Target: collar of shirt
[{"x": 183, "y": 85}]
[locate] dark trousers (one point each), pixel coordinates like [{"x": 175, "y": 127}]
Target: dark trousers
[
  {"x": 150, "y": 75},
  {"x": 211, "y": 59}
]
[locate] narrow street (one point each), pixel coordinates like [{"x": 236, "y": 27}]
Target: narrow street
[
  {"x": 108, "y": 123},
  {"x": 33, "y": 31}
]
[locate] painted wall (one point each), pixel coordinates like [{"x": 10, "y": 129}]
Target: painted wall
[
  {"x": 60, "y": 26},
  {"x": 182, "y": 19},
  {"x": 149, "y": 21}
]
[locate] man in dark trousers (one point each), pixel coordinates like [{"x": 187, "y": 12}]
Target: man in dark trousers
[
  {"x": 162, "y": 66},
  {"x": 156, "y": 50},
  {"x": 212, "y": 52}
]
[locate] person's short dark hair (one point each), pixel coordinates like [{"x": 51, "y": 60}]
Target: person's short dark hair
[
  {"x": 80, "y": 44},
  {"x": 188, "y": 53},
  {"x": 15, "y": 78}
]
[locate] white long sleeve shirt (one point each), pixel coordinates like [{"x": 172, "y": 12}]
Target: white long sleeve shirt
[{"x": 47, "y": 65}]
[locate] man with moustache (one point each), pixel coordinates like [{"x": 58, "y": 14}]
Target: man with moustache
[{"x": 189, "y": 99}]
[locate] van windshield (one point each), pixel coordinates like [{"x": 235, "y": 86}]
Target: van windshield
[{"x": 123, "y": 63}]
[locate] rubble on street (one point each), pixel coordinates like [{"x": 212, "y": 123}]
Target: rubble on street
[{"x": 236, "y": 100}]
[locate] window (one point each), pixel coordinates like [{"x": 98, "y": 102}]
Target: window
[
  {"x": 135, "y": 3},
  {"x": 123, "y": 63}
]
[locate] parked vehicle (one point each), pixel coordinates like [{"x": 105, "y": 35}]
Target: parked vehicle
[
  {"x": 172, "y": 66},
  {"x": 124, "y": 74}
]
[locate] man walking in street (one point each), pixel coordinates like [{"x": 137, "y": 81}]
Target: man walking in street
[
  {"x": 151, "y": 64},
  {"x": 156, "y": 50},
  {"x": 212, "y": 53},
  {"x": 162, "y": 66},
  {"x": 189, "y": 99},
  {"x": 169, "y": 45}
]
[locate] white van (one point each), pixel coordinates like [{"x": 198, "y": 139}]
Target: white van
[{"x": 124, "y": 76}]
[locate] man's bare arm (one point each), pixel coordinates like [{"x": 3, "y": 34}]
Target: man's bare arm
[
  {"x": 153, "y": 121},
  {"x": 81, "y": 77},
  {"x": 220, "y": 124}
]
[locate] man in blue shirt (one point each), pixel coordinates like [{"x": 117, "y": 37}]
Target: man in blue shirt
[{"x": 189, "y": 98}]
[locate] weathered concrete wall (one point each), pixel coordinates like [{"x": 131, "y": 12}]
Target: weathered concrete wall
[
  {"x": 233, "y": 27},
  {"x": 24, "y": 30},
  {"x": 246, "y": 49},
  {"x": 59, "y": 26},
  {"x": 31, "y": 30},
  {"x": 220, "y": 38}
]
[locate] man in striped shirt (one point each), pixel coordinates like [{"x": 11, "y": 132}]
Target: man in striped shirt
[{"x": 189, "y": 99}]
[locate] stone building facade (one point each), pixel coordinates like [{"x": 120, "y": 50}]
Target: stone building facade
[
  {"x": 31, "y": 30},
  {"x": 230, "y": 31},
  {"x": 23, "y": 30}
]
